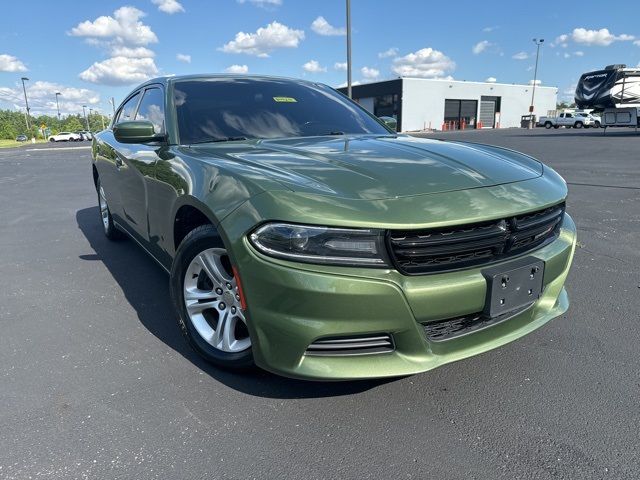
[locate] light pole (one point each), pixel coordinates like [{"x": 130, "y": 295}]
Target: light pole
[
  {"x": 113, "y": 105},
  {"x": 57, "y": 104},
  {"x": 84, "y": 112},
  {"x": 26, "y": 102},
  {"x": 535, "y": 73},
  {"x": 349, "y": 48}
]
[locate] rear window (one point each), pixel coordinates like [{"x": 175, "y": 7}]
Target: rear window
[{"x": 221, "y": 109}]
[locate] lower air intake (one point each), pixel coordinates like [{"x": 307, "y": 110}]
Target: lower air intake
[
  {"x": 339, "y": 346},
  {"x": 457, "y": 327}
]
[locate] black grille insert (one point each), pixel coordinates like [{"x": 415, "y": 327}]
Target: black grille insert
[
  {"x": 363, "y": 345},
  {"x": 417, "y": 252},
  {"x": 457, "y": 327}
]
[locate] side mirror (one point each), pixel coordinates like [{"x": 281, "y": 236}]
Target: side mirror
[
  {"x": 136, "y": 131},
  {"x": 390, "y": 122}
]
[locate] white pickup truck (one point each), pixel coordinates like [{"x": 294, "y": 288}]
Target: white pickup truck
[{"x": 569, "y": 120}]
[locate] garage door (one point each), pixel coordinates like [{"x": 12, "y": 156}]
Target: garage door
[{"x": 487, "y": 113}]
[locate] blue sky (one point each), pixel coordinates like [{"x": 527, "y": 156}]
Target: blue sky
[{"x": 90, "y": 51}]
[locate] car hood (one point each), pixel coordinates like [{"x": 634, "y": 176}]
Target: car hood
[{"x": 371, "y": 168}]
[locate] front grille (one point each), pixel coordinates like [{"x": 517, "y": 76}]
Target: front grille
[
  {"x": 415, "y": 252},
  {"x": 457, "y": 327},
  {"x": 364, "y": 345}
]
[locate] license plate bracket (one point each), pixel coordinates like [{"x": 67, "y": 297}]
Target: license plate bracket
[{"x": 512, "y": 286}]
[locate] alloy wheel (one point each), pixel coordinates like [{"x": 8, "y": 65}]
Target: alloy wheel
[
  {"x": 212, "y": 301},
  {"x": 104, "y": 209}
]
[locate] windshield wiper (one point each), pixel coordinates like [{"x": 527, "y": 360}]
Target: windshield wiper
[
  {"x": 221, "y": 139},
  {"x": 332, "y": 133}
]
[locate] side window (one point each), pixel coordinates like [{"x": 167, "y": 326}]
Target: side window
[
  {"x": 152, "y": 108},
  {"x": 128, "y": 109}
]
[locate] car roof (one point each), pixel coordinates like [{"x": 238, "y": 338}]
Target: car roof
[{"x": 170, "y": 79}]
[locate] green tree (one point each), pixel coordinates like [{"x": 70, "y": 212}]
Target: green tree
[{"x": 72, "y": 124}]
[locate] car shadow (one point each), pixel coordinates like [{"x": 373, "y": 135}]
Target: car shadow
[{"x": 146, "y": 287}]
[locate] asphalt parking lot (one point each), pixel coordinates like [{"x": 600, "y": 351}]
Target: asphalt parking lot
[{"x": 96, "y": 381}]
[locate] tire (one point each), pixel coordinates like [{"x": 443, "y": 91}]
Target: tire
[
  {"x": 578, "y": 125},
  {"x": 596, "y": 125},
  {"x": 204, "y": 294},
  {"x": 556, "y": 126},
  {"x": 109, "y": 228},
  {"x": 548, "y": 125},
  {"x": 52, "y": 140}
]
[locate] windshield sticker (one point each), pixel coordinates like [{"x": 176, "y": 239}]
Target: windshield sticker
[{"x": 285, "y": 99}]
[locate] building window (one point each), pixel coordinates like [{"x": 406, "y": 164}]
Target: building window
[{"x": 386, "y": 106}]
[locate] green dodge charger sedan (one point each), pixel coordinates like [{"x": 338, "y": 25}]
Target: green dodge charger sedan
[{"x": 304, "y": 236}]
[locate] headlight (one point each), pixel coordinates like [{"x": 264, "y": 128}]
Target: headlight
[{"x": 310, "y": 244}]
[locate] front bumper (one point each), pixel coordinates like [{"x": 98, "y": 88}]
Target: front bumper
[{"x": 290, "y": 305}]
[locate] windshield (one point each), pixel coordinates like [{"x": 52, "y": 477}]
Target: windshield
[{"x": 222, "y": 109}]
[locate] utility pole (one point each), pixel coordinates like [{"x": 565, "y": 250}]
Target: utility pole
[
  {"x": 26, "y": 102},
  {"x": 57, "y": 104},
  {"x": 113, "y": 105},
  {"x": 349, "y": 48},
  {"x": 90, "y": 112},
  {"x": 535, "y": 73},
  {"x": 84, "y": 112}
]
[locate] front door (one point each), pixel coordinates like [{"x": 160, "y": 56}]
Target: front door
[{"x": 136, "y": 167}]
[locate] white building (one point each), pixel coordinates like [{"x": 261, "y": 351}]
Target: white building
[{"x": 420, "y": 103}]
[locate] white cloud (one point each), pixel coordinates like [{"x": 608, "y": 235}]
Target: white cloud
[
  {"x": 314, "y": 66},
  {"x": 566, "y": 55},
  {"x": 491, "y": 80},
  {"x": 42, "y": 97},
  {"x": 489, "y": 29},
  {"x": 264, "y": 40},
  {"x": 637, "y": 42},
  {"x": 137, "y": 52},
  {"x": 426, "y": 63},
  {"x": 9, "y": 63},
  {"x": 481, "y": 47},
  {"x": 183, "y": 57},
  {"x": 123, "y": 28},
  {"x": 263, "y": 3},
  {"x": 340, "y": 66},
  {"x": 168, "y": 6},
  {"x": 600, "y": 38},
  {"x": 520, "y": 56},
  {"x": 561, "y": 40},
  {"x": 538, "y": 82},
  {"x": 579, "y": 53},
  {"x": 322, "y": 27},
  {"x": 126, "y": 37},
  {"x": 370, "y": 73},
  {"x": 238, "y": 69},
  {"x": 391, "y": 52},
  {"x": 120, "y": 71}
]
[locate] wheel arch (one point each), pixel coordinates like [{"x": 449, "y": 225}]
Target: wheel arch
[
  {"x": 95, "y": 175},
  {"x": 188, "y": 214}
]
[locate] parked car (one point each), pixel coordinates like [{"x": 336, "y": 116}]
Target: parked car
[
  {"x": 65, "y": 137},
  {"x": 21, "y": 138},
  {"x": 87, "y": 135},
  {"x": 302, "y": 234},
  {"x": 593, "y": 120},
  {"x": 569, "y": 120}
]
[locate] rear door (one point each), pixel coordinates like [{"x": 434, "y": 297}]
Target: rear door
[{"x": 138, "y": 162}]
